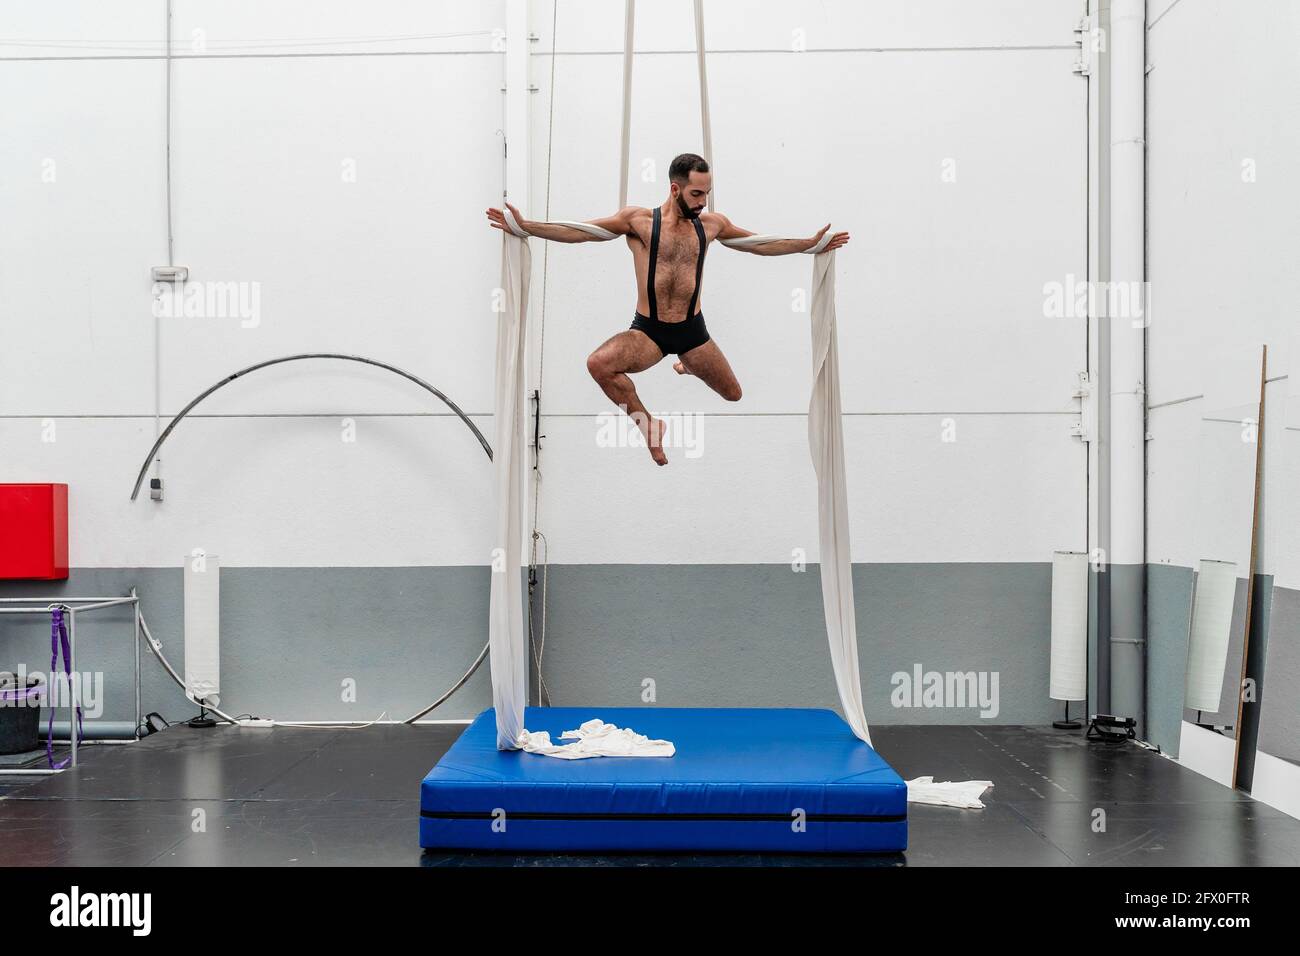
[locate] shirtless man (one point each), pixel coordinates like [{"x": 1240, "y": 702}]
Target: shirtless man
[{"x": 668, "y": 246}]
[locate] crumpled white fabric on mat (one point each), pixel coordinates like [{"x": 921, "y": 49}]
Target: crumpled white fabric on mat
[
  {"x": 595, "y": 738},
  {"x": 964, "y": 794}
]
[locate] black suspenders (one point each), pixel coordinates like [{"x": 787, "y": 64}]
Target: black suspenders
[
  {"x": 654, "y": 255},
  {"x": 699, "y": 269}
]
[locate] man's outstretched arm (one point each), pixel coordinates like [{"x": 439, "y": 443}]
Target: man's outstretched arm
[
  {"x": 779, "y": 247},
  {"x": 618, "y": 224}
]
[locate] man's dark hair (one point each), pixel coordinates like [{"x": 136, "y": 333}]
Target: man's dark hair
[{"x": 685, "y": 164}]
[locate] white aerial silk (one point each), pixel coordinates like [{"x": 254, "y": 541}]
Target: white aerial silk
[
  {"x": 508, "y": 651},
  {"x": 826, "y": 442}
]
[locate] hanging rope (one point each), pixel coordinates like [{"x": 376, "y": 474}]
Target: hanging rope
[
  {"x": 629, "y": 28},
  {"x": 705, "y": 122}
]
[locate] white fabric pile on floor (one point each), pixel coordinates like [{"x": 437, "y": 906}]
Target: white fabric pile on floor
[
  {"x": 595, "y": 738},
  {"x": 964, "y": 795}
]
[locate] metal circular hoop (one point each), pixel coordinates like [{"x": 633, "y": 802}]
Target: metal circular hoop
[{"x": 144, "y": 468}]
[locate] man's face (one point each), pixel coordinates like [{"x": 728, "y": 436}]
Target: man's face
[{"x": 693, "y": 197}]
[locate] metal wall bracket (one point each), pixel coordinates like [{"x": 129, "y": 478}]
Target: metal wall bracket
[
  {"x": 1086, "y": 35},
  {"x": 1086, "y": 427},
  {"x": 170, "y": 273}
]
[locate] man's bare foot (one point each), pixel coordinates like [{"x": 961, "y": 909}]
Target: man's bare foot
[
  {"x": 652, "y": 430},
  {"x": 654, "y": 439},
  {"x": 680, "y": 369}
]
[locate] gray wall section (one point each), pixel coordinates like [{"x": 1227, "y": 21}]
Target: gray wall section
[
  {"x": 290, "y": 637},
  {"x": 710, "y": 635},
  {"x": 1125, "y": 623},
  {"x": 753, "y": 635},
  {"x": 1096, "y": 602},
  {"x": 1279, "y": 723},
  {"x": 1169, "y": 616}
]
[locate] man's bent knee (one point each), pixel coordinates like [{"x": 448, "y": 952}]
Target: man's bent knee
[
  {"x": 599, "y": 366},
  {"x": 732, "y": 393}
]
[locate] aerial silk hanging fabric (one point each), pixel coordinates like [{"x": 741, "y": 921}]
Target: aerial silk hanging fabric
[
  {"x": 826, "y": 442},
  {"x": 509, "y": 651}
]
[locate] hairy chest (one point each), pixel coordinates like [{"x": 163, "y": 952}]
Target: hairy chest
[{"x": 679, "y": 249}]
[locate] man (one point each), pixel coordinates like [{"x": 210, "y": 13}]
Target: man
[{"x": 668, "y": 246}]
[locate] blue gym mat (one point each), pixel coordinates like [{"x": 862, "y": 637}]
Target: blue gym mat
[{"x": 736, "y": 783}]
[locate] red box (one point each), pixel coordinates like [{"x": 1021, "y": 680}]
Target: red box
[{"x": 34, "y": 532}]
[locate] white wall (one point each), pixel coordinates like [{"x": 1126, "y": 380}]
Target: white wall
[
  {"x": 940, "y": 292},
  {"x": 1222, "y": 92}
]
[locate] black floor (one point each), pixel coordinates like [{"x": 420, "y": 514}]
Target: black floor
[{"x": 295, "y": 797}]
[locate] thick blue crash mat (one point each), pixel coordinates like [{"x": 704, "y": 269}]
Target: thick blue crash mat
[{"x": 793, "y": 780}]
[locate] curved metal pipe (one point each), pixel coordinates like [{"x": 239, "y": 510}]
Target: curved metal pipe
[
  {"x": 455, "y": 687},
  {"x": 156, "y": 646},
  {"x": 295, "y": 358}
]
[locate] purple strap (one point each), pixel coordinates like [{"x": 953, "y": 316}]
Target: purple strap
[
  {"x": 59, "y": 638},
  {"x": 22, "y": 696}
]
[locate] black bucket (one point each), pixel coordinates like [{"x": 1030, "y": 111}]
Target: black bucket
[{"x": 20, "y": 715}]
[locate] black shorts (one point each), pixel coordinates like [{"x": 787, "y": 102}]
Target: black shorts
[{"x": 674, "y": 337}]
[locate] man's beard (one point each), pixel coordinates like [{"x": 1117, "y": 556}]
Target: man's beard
[{"x": 686, "y": 211}]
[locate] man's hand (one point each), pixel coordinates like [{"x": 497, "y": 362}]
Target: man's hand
[
  {"x": 497, "y": 219},
  {"x": 837, "y": 239}
]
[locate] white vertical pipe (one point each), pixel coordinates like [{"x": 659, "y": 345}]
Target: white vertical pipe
[
  {"x": 171, "y": 253},
  {"x": 1098, "y": 533},
  {"x": 1127, "y": 432},
  {"x": 1127, "y": 265},
  {"x": 135, "y": 616},
  {"x": 1095, "y": 273}
]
